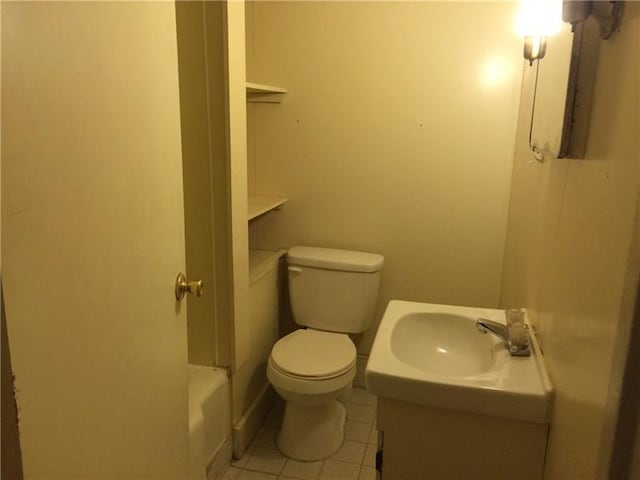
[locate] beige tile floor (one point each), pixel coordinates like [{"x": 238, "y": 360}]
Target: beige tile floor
[{"x": 354, "y": 461}]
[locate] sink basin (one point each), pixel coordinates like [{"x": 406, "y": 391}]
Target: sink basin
[
  {"x": 443, "y": 344},
  {"x": 434, "y": 355}
]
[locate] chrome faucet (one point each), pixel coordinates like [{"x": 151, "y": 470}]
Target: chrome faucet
[
  {"x": 496, "y": 328},
  {"x": 515, "y": 334}
]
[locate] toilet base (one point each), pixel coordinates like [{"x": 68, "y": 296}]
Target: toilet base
[{"x": 312, "y": 433}]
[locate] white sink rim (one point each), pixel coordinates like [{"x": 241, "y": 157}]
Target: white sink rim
[{"x": 516, "y": 387}]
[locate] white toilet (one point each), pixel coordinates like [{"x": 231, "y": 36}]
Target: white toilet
[{"x": 333, "y": 293}]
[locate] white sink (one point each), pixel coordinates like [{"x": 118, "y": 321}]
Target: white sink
[
  {"x": 444, "y": 344},
  {"x": 434, "y": 355}
]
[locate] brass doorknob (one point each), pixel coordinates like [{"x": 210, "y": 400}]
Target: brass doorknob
[{"x": 195, "y": 287}]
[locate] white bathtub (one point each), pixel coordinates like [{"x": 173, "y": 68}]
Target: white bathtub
[{"x": 209, "y": 421}]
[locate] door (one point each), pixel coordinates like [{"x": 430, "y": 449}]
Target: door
[{"x": 93, "y": 238}]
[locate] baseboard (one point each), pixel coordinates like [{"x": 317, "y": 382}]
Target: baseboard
[
  {"x": 245, "y": 428},
  {"x": 219, "y": 461}
]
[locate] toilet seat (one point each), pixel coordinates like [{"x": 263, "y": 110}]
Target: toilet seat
[{"x": 309, "y": 354}]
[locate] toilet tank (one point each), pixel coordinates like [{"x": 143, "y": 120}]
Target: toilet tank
[{"x": 333, "y": 290}]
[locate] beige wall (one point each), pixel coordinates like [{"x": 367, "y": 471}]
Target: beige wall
[
  {"x": 396, "y": 136},
  {"x": 567, "y": 253}
]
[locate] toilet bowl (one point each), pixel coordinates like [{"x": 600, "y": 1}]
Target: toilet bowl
[
  {"x": 333, "y": 293},
  {"x": 313, "y": 423}
]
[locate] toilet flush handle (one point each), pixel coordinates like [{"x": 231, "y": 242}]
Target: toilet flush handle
[{"x": 297, "y": 270}]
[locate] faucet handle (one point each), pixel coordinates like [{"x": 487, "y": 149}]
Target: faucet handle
[
  {"x": 519, "y": 340},
  {"x": 518, "y": 333},
  {"x": 515, "y": 316}
]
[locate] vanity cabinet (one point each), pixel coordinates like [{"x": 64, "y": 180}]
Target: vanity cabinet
[{"x": 422, "y": 442}]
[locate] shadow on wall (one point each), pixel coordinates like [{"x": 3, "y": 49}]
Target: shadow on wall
[
  {"x": 11, "y": 460},
  {"x": 287, "y": 323}
]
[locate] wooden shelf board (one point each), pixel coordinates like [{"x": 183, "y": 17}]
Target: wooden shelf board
[
  {"x": 259, "y": 88},
  {"x": 261, "y": 204},
  {"x": 259, "y": 93}
]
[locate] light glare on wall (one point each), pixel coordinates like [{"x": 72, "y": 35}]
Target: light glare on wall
[
  {"x": 495, "y": 72},
  {"x": 537, "y": 20}
]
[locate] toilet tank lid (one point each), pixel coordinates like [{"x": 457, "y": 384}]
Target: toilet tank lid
[{"x": 335, "y": 259}]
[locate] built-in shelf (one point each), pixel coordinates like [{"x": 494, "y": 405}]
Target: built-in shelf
[
  {"x": 261, "y": 204},
  {"x": 262, "y": 262},
  {"x": 257, "y": 92}
]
